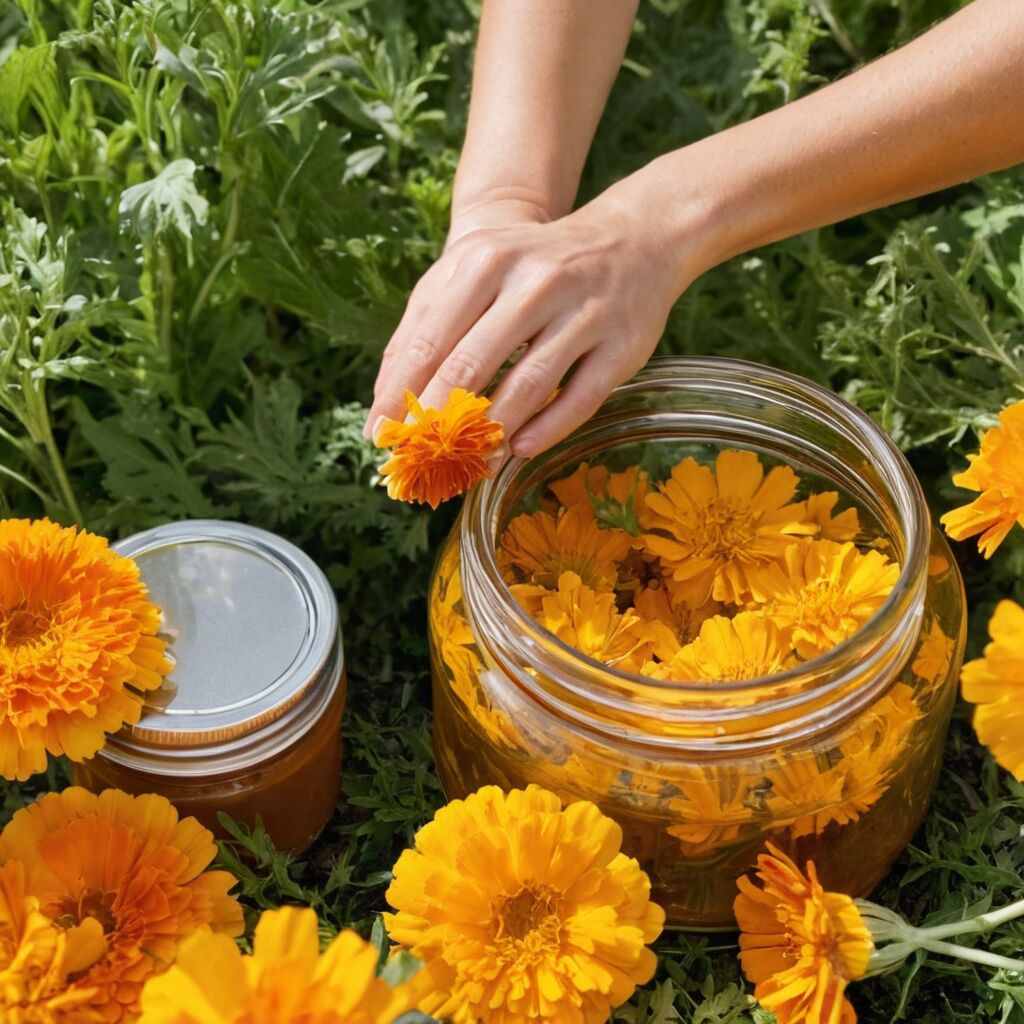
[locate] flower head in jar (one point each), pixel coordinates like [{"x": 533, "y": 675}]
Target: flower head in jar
[
  {"x": 995, "y": 684},
  {"x": 818, "y": 511},
  {"x": 78, "y": 644},
  {"x": 524, "y": 910},
  {"x": 715, "y": 808},
  {"x": 440, "y": 453},
  {"x": 711, "y": 528},
  {"x": 124, "y": 868},
  {"x": 997, "y": 472},
  {"x": 539, "y": 547},
  {"x": 613, "y": 499},
  {"x": 800, "y": 945},
  {"x": 286, "y": 979},
  {"x": 823, "y": 592}
]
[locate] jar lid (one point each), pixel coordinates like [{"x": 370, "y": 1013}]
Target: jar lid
[{"x": 252, "y": 630}]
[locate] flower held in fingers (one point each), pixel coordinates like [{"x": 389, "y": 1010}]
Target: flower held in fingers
[
  {"x": 524, "y": 911},
  {"x": 441, "y": 453},
  {"x": 78, "y": 644}
]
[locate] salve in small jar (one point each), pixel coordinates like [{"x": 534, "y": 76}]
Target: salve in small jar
[
  {"x": 248, "y": 721},
  {"x": 833, "y": 758}
]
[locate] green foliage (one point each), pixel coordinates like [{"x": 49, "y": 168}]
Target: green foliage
[{"x": 212, "y": 214}]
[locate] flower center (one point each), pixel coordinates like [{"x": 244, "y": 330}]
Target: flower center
[
  {"x": 20, "y": 626},
  {"x": 530, "y": 917},
  {"x": 820, "y": 604},
  {"x": 724, "y": 528},
  {"x": 97, "y": 905}
]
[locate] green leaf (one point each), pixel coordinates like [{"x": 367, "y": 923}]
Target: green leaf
[{"x": 169, "y": 201}]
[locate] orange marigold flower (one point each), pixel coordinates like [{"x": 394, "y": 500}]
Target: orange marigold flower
[
  {"x": 655, "y": 604},
  {"x": 748, "y": 646},
  {"x": 714, "y": 809},
  {"x": 824, "y": 593},
  {"x": 590, "y": 622},
  {"x": 78, "y": 644},
  {"x": 524, "y": 911},
  {"x": 615, "y": 499},
  {"x": 995, "y": 683},
  {"x": 286, "y": 980},
  {"x": 37, "y": 957},
  {"x": 442, "y": 452},
  {"x": 539, "y": 547},
  {"x": 997, "y": 471},
  {"x": 800, "y": 945},
  {"x": 715, "y": 526},
  {"x": 129, "y": 864},
  {"x": 818, "y": 512}
]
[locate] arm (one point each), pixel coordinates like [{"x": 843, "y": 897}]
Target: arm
[
  {"x": 592, "y": 290},
  {"x": 542, "y": 73}
]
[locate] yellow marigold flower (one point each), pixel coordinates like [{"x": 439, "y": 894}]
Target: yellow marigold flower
[
  {"x": 655, "y": 604},
  {"x": 807, "y": 796},
  {"x": 716, "y": 526},
  {"x": 800, "y": 945},
  {"x": 995, "y": 683},
  {"x": 824, "y": 593},
  {"x": 129, "y": 864},
  {"x": 934, "y": 653},
  {"x": 539, "y": 547},
  {"x": 589, "y": 621},
  {"x": 442, "y": 452},
  {"x": 997, "y": 471},
  {"x": 37, "y": 957},
  {"x": 286, "y": 980},
  {"x": 451, "y": 632},
  {"x": 748, "y": 646},
  {"x": 818, "y": 512},
  {"x": 625, "y": 492},
  {"x": 524, "y": 911},
  {"x": 714, "y": 808},
  {"x": 78, "y": 644}
]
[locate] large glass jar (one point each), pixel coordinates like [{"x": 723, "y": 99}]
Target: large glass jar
[{"x": 833, "y": 760}]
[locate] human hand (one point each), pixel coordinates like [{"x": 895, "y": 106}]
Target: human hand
[{"x": 589, "y": 292}]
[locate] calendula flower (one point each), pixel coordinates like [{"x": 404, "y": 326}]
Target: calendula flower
[
  {"x": 442, "y": 452},
  {"x": 456, "y": 649},
  {"x": 934, "y": 653},
  {"x": 714, "y": 527},
  {"x": 809, "y": 793},
  {"x": 818, "y": 512},
  {"x": 524, "y": 911},
  {"x": 997, "y": 471},
  {"x": 286, "y": 980},
  {"x": 749, "y": 646},
  {"x": 614, "y": 499},
  {"x": 538, "y": 548},
  {"x": 590, "y": 621},
  {"x": 38, "y": 956},
  {"x": 78, "y": 644},
  {"x": 655, "y": 604},
  {"x": 800, "y": 945},
  {"x": 823, "y": 593},
  {"x": 995, "y": 684},
  {"x": 713, "y": 809},
  {"x": 130, "y": 864}
]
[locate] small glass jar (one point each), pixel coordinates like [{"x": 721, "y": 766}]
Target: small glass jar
[
  {"x": 248, "y": 721},
  {"x": 833, "y": 760}
]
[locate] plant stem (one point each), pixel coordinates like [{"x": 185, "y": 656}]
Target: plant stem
[
  {"x": 57, "y": 464},
  {"x": 978, "y": 956},
  {"x": 981, "y": 923}
]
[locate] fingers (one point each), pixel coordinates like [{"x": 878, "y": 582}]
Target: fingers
[
  {"x": 450, "y": 298},
  {"x": 530, "y": 383},
  {"x": 596, "y": 375}
]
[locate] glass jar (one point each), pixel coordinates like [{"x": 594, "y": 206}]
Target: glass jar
[
  {"x": 248, "y": 721},
  {"x": 833, "y": 760}
]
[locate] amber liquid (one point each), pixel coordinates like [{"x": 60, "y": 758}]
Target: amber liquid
[
  {"x": 851, "y": 800},
  {"x": 293, "y": 794}
]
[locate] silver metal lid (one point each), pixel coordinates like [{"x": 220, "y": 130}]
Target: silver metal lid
[{"x": 252, "y": 626}]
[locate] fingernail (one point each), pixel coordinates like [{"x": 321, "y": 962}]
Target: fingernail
[
  {"x": 495, "y": 461},
  {"x": 522, "y": 447},
  {"x": 376, "y": 427}
]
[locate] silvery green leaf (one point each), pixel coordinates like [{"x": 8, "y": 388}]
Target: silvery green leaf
[{"x": 170, "y": 200}]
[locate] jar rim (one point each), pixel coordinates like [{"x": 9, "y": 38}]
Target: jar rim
[{"x": 597, "y": 681}]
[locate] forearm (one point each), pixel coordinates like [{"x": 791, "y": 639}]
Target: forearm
[
  {"x": 942, "y": 110},
  {"x": 541, "y": 77}
]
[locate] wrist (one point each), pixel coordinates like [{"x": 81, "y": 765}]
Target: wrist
[{"x": 497, "y": 207}]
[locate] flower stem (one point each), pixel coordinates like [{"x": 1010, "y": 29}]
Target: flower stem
[
  {"x": 972, "y": 925},
  {"x": 978, "y": 956}
]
